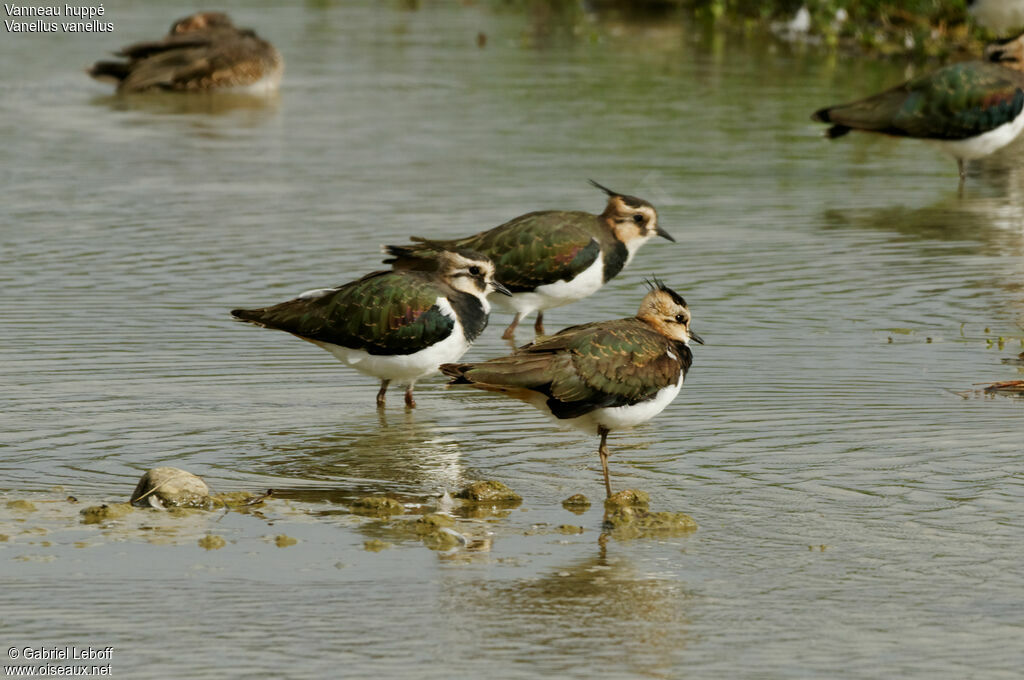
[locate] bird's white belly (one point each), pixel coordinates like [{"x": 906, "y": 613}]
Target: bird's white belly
[
  {"x": 985, "y": 143},
  {"x": 556, "y": 294},
  {"x": 405, "y": 368},
  {"x": 622, "y": 417},
  {"x": 618, "y": 417}
]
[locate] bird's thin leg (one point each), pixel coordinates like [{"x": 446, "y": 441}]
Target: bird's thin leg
[
  {"x": 380, "y": 395},
  {"x": 538, "y": 325},
  {"x": 510, "y": 332},
  {"x": 960, "y": 166},
  {"x": 603, "y": 452},
  {"x": 409, "y": 401}
]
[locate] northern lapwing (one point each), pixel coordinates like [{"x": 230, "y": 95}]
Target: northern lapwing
[
  {"x": 601, "y": 376},
  {"x": 394, "y": 325},
  {"x": 552, "y": 257},
  {"x": 970, "y": 109},
  {"x": 202, "y": 52}
]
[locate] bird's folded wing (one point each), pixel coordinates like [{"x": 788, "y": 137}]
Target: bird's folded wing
[
  {"x": 538, "y": 248},
  {"x": 955, "y": 102},
  {"x": 381, "y": 313},
  {"x": 597, "y": 365}
]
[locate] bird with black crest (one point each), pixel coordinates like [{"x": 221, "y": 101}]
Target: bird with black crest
[
  {"x": 550, "y": 258},
  {"x": 601, "y": 376}
]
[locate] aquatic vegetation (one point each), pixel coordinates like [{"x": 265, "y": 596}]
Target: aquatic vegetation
[
  {"x": 489, "y": 492},
  {"x": 376, "y": 506},
  {"x": 95, "y": 514},
  {"x": 576, "y": 503},
  {"x": 627, "y": 523},
  {"x": 284, "y": 540},
  {"x": 211, "y": 542}
]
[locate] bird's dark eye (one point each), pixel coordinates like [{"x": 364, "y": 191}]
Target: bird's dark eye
[
  {"x": 638, "y": 218},
  {"x": 474, "y": 271},
  {"x": 680, "y": 318}
]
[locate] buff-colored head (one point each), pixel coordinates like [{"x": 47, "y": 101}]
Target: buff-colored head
[
  {"x": 1008, "y": 53},
  {"x": 632, "y": 220},
  {"x": 469, "y": 272},
  {"x": 666, "y": 311},
  {"x": 201, "y": 21}
]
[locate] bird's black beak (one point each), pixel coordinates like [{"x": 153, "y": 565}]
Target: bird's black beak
[
  {"x": 696, "y": 338},
  {"x": 664, "y": 234},
  {"x": 499, "y": 288}
]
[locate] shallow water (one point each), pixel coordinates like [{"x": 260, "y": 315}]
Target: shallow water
[{"x": 858, "y": 505}]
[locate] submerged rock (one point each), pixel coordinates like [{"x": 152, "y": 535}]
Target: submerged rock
[
  {"x": 489, "y": 492},
  {"x": 432, "y": 523},
  {"x": 634, "y": 522},
  {"x": 433, "y": 530},
  {"x": 21, "y": 506},
  {"x": 211, "y": 542},
  {"x": 376, "y": 545},
  {"x": 170, "y": 487},
  {"x": 569, "y": 529},
  {"x": 628, "y": 498},
  {"x": 376, "y": 506},
  {"x": 96, "y": 514},
  {"x": 577, "y": 503},
  {"x": 443, "y": 539}
]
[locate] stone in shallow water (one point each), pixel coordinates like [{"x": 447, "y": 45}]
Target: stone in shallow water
[
  {"x": 577, "y": 503},
  {"x": 628, "y": 498},
  {"x": 432, "y": 523},
  {"x": 635, "y": 522},
  {"x": 442, "y": 539},
  {"x": 376, "y": 545},
  {"x": 170, "y": 487},
  {"x": 96, "y": 514},
  {"x": 489, "y": 492},
  {"x": 376, "y": 506}
]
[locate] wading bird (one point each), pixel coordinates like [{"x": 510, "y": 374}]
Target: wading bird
[
  {"x": 393, "y": 325},
  {"x": 969, "y": 110},
  {"x": 601, "y": 376},
  {"x": 552, "y": 257},
  {"x": 201, "y": 52}
]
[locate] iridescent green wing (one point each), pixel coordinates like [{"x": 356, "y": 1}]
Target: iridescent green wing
[
  {"x": 381, "y": 313},
  {"x": 604, "y": 364},
  {"x": 539, "y": 248},
  {"x": 614, "y": 364},
  {"x": 955, "y": 102},
  {"x": 959, "y": 101}
]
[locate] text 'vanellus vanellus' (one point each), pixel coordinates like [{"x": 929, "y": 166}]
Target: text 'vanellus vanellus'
[
  {"x": 601, "y": 376},
  {"x": 393, "y": 325},
  {"x": 202, "y": 52},
  {"x": 552, "y": 257},
  {"x": 970, "y": 109}
]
